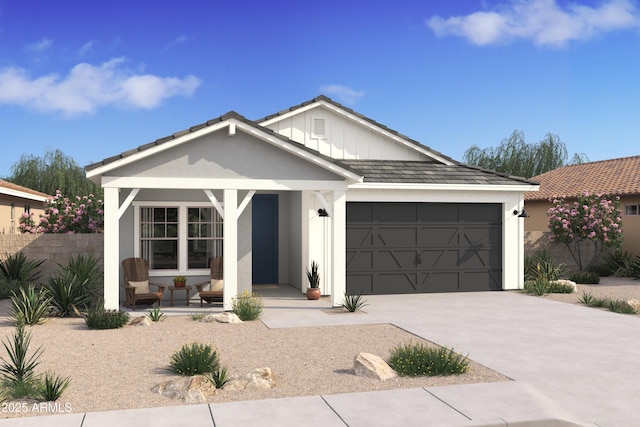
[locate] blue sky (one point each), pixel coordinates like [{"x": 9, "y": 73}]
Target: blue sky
[{"x": 96, "y": 78}]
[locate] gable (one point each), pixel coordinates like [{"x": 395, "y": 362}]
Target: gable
[{"x": 218, "y": 155}]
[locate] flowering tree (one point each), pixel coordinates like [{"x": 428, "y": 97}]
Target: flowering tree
[
  {"x": 594, "y": 218},
  {"x": 61, "y": 215}
]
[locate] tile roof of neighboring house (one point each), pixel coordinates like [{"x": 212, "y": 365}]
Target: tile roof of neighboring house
[
  {"x": 15, "y": 188},
  {"x": 418, "y": 172},
  {"x": 355, "y": 113},
  {"x": 615, "y": 176}
]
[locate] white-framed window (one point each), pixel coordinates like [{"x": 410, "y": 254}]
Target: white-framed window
[
  {"x": 177, "y": 237},
  {"x": 631, "y": 210},
  {"x": 318, "y": 128}
]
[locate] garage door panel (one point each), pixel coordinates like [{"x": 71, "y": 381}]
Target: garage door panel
[
  {"x": 360, "y": 261},
  {"x": 437, "y": 213},
  {"x": 490, "y": 236},
  {"x": 388, "y": 260},
  {"x": 438, "y": 236},
  {"x": 396, "y": 236}
]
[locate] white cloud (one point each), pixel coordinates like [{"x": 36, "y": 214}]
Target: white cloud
[
  {"x": 542, "y": 21},
  {"x": 85, "y": 48},
  {"x": 88, "y": 87},
  {"x": 40, "y": 46},
  {"x": 345, "y": 94}
]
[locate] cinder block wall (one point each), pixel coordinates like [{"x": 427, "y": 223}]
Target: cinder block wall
[
  {"x": 54, "y": 249},
  {"x": 536, "y": 241}
]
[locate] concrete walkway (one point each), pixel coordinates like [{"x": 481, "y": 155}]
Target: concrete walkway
[{"x": 570, "y": 365}]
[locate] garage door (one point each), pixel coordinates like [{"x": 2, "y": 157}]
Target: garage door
[{"x": 399, "y": 248}]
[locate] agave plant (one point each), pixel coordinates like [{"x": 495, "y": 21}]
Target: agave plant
[
  {"x": 18, "y": 268},
  {"x": 29, "y": 306},
  {"x": 69, "y": 295}
]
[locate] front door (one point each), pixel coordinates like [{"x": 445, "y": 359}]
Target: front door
[{"x": 265, "y": 238}]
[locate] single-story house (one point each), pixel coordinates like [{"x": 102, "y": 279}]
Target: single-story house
[
  {"x": 379, "y": 212},
  {"x": 15, "y": 200},
  {"x": 619, "y": 177}
]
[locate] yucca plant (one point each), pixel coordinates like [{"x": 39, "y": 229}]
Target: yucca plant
[
  {"x": 353, "y": 303},
  {"x": 52, "y": 387},
  {"x": 156, "y": 315},
  {"x": 87, "y": 269},
  {"x": 543, "y": 266},
  {"x": 219, "y": 377},
  {"x": 17, "y": 267},
  {"x": 20, "y": 367},
  {"x": 29, "y": 306},
  {"x": 195, "y": 359},
  {"x": 69, "y": 295}
]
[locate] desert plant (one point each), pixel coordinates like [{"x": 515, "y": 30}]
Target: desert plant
[
  {"x": 8, "y": 287},
  {"x": 536, "y": 287},
  {"x": 17, "y": 267},
  {"x": 156, "y": 315},
  {"x": 618, "y": 263},
  {"x": 313, "y": 275},
  {"x": 69, "y": 295},
  {"x": 247, "y": 306},
  {"x": 20, "y": 367},
  {"x": 558, "y": 287},
  {"x": 586, "y": 298},
  {"x": 417, "y": 359},
  {"x": 88, "y": 270},
  {"x": 219, "y": 377},
  {"x": 99, "y": 318},
  {"x": 542, "y": 266},
  {"x": 52, "y": 387},
  {"x": 29, "y": 306},
  {"x": 197, "y": 316},
  {"x": 585, "y": 278},
  {"x": 619, "y": 306},
  {"x": 195, "y": 359},
  {"x": 353, "y": 302}
]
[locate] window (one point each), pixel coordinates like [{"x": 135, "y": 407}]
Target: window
[
  {"x": 318, "y": 130},
  {"x": 631, "y": 210},
  {"x": 179, "y": 238}
]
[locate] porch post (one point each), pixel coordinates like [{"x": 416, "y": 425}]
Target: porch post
[
  {"x": 230, "y": 247},
  {"x": 305, "y": 211},
  {"x": 339, "y": 248},
  {"x": 111, "y": 249}
]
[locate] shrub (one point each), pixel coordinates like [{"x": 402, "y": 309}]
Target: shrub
[
  {"x": 586, "y": 298},
  {"x": 20, "y": 367},
  {"x": 52, "y": 387},
  {"x": 247, "y": 306},
  {"x": 195, "y": 359},
  {"x": 219, "y": 377},
  {"x": 69, "y": 295},
  {"x": 618, "y": 263},
  {"x": 419, "y": 360},
  {"x": 619, "y": 306},
  {"x": 156, "y": 315},
  {"x": 536, "y": 287},
  {"x": 8, "y": 287},
  {"x": 558, "y": 287},
  {"x": 30, "y": 307},
  {"x": 542, "y": 266},
  {"x": 585, "y": 278},
  {"x": 99, "y": 318},
  {"x": 87, "y": 268},
  {"x": 197, "y": 316},
  {"x": 17, "y": 267},
  {"x": 353, "y": 302}
]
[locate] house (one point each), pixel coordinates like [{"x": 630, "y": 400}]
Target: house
[
  {"x": 16, "y": 200},
  {"x": 619, "y": 177},
  {"x": 379, "y": 212}
]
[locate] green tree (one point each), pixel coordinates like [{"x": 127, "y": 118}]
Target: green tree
[
  {"x": 515, "y": 157},
  {"x": 54, "y": 171}
]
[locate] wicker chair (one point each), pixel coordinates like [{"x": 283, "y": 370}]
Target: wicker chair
[
  {"x": 215, "y": 294},
  {"x": 136, "y": 284}
]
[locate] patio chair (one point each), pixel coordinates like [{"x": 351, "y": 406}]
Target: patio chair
[
  {"x": 215, "y": 293},
  {"x": 137, "y": 286}
]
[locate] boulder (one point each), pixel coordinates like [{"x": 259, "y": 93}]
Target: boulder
[
  {"x": 141, "y": 321},
  {"x": 258, "y": 378},
  {"x": 635, "y": 303},
  {"x": 371, "y": 366},
  {"x": 225, "y": 317},
  {"x": 566, "y": 283},
  {"x": 195, "y": 389}
]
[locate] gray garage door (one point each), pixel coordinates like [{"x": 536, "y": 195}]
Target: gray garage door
[{"x": 399, "y": 248}]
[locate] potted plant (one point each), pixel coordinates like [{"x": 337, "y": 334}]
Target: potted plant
[
  {"x": 313, "y": 291},
  {"x": 179, "y": 281}
]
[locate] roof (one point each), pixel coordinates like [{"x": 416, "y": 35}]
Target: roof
[
  {"x": 361, "y": 116},
  {"x": 11, "y": 189},
  {"x": 616, "y": 176},
  {"x": 421, "y": 172}
]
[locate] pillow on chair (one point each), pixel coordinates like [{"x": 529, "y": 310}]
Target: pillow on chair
[
  {"x": 216, "y": 285},
  {"x": 141, "y": 287}
]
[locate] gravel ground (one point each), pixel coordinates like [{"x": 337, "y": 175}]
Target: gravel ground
[
  {"x": 116, "y": 369},
  {"x": 609, "y": 287}
]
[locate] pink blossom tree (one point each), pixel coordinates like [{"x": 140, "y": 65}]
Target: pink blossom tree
[
  {"x": 61, "y": 215},
  {"x": 594, "y": 218}
]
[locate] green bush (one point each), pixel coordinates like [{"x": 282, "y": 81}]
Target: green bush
[
  {"x": 30, "y": 307},
  {"x": 615, "y": 305},
  {"x": 542, "y": 266},
  {"x": 585, "y": 278},
  {"x": 69, "y": 295},
  {"x": 8, "y": 287},
  {"x": 17, "y": 267},
  {"x": 557, "y": 287},
  {"x": 197, "y": 316},
  {"x": 247, "y": 306},
  {"x": 52, "y": 387},
  {"x": 618, "y": 263},
  {"x": 99, "y": 318},
  {"x": 419, "y": 360},
  {"x": 195, "y": 359},
  {"x": 536, "y": 287}
]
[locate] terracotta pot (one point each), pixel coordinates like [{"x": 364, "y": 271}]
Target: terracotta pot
[
  {"x": 179, "y": 284},
  {"x": 313, "y": 293}
]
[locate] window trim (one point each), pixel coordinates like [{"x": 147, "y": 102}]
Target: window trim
[
  {"x": 628, "y": 205},
  {"x": 183, "y": 238}
]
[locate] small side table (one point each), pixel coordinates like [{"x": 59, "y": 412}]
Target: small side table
[{"x": 186, "y": 288}]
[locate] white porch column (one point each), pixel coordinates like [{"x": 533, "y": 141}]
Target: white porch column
[
  {"x": 230, "y": 245},
  {"x": 111, "y": 249},
  {"x": 306, "y": 213},
  {"x": 339, "y": 248}
]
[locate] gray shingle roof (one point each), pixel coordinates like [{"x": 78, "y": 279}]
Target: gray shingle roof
[{"x": 419, "y": 172}]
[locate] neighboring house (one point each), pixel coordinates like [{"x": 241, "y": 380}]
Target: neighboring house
[
  {"x": 619, "y": 177},
  {"x": 16, "y": 200},
  {"x": 378, "y": 211}
]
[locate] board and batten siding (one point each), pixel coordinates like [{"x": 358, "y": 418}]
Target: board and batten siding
[{"x": 343, "y": 139}]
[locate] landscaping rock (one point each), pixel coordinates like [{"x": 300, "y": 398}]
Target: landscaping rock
[
  {"x": 258, "y": 378},
  {"x": 566, "y": 283},
  {"x": 195, "y": 389},
  {"x": 141, "y": 321},
  {"x": 371, "y": 366},
  {"x": 635, "y": 303},
  {"x": 226, "y": 317}
]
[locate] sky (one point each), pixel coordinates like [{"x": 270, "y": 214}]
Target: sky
[{"x": 95, "y": 78}]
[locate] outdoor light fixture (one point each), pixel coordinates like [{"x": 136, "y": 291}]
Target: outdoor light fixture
[
  {"x": 322, "y": 213},
  {"x": 522, "y": 214}
]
